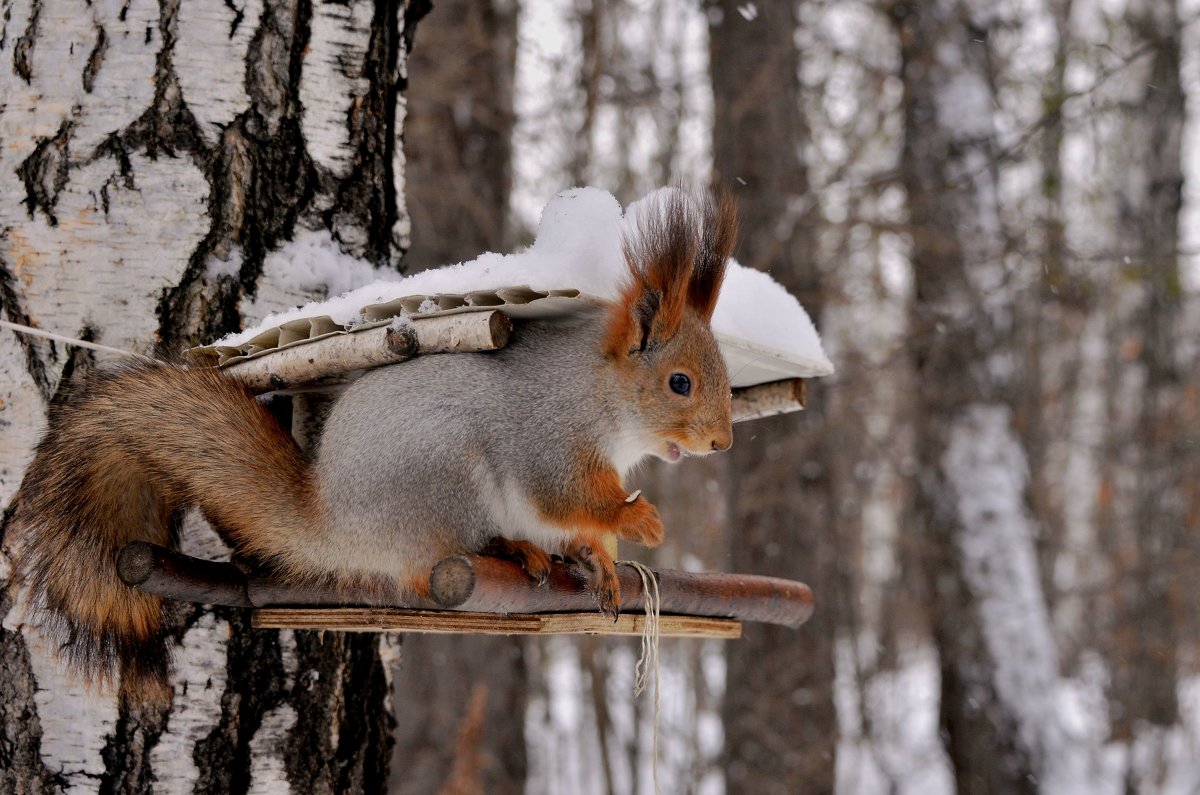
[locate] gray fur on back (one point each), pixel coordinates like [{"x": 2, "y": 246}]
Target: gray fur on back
[{"x": 415, "y": 459}]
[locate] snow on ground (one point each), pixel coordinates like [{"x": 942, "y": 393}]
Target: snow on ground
[
  {"x": 562, "y": 733},
  {"x": 896, "y": 749},
  {"x": 890, "y": 736},
  {"x": 578, "y": 246}
]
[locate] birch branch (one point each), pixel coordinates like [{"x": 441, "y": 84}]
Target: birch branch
[
  {"x": 766, "y": 400},
  {"x": 330, "y": 358}
]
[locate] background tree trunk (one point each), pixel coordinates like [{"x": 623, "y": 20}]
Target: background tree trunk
[
  {"x": 156, "y": 154},
  {"x": 458, "y": 140},
  {"x": 988, "y": 614},
  {"x": 458, "y": 145},
  {"x": 780, "y": 720},
  {"x": 1150, "y": 449},
  {"x": 1049, "y": 322}
]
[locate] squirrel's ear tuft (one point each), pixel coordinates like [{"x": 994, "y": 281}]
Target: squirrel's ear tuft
[
  {"x": 660, "y": 249},
  {"x": 716, "y": 244}
]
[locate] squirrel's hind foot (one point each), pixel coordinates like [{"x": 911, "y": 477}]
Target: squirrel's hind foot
[
  {"x": 600, "y": 572},
  {"x": 532, "y": 558}
]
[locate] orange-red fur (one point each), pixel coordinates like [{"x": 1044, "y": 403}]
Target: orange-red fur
[
  {"x": 677, "y": 260},
  {"x": 595, "y": 502},
  {"x": 661, "y": 253}
]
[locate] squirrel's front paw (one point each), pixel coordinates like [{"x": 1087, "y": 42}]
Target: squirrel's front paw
[
  {"x": 641, "y": 523},
  {"x": 600, "y": 572}
]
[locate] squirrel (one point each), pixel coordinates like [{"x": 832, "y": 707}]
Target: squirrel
[{"x": 520, "y": 452}]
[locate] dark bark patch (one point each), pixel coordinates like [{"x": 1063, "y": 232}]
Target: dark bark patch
[
  {"x": 238, "y": 15},
  {"x": 281, "y": 184},
  {"x": 23, "y": 52},
  {"x": 366, "y": 740},
  {"x": 114, "y": 147},
  {"x": 274, "y": 60},
  {"x": 365, "y": 198},
  {"x": 255, "y": 684},
  {"x": 168, "y": 124},
  {"x": 96, "y": 59},
  {"x": 10, "y": 303},
  {"x": 45, "y": 172},
  {"x": 126, "y": 752},
  {"x": 340, "y": 681},
  {"x": 21, "y": 766},
  {"x": 4, "y": 27}
]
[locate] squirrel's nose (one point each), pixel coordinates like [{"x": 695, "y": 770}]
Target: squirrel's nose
[{"x": 723, "y": 443}]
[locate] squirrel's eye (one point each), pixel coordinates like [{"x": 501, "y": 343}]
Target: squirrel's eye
[{"x": 681, "y": 384}]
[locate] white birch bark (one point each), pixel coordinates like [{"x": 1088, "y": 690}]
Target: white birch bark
[{"x": 154, "y": 154}]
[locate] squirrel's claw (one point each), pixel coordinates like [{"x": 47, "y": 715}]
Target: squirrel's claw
[
  {"x": 537, "y": 566},
  {"x": 609, "y": 600},
  {"x": 613, "y": 611}
]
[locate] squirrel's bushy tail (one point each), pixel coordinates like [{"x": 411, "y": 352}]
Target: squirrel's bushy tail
[{"x": 135, "y": 445}]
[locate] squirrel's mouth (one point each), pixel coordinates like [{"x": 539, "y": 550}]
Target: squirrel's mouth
[{"x": 674, "y": 452}]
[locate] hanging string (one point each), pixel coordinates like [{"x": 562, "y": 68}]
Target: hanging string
[
  {"x": 95, "y": 346},
  {"x": 647, "y": 665}
]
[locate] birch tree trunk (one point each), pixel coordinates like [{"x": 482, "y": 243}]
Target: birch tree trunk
[
  {"x": 990, "y": 622},
  {"x": 780, "y": 720},
  {"x": 155, "y": 154}
]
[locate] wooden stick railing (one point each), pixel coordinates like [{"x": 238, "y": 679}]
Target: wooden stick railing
[
  {"x": 471, "y": 583},
  {"x": 474, "y": 582}
]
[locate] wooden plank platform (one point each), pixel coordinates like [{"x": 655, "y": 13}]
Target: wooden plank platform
[{"x": 390, "y": 619}]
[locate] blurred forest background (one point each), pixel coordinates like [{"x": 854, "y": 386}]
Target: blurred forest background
[{"x": 987, "y": 208}]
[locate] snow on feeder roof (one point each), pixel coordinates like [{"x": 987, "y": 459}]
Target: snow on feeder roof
[{"x": 575, "y": 262}]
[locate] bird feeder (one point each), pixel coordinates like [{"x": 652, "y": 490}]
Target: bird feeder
[{"x": 469, "y": 593}]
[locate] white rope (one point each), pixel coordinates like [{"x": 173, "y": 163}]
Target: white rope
[
  {"x": 647, "y": 665},
  {"x": 95, "y": 346}
]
